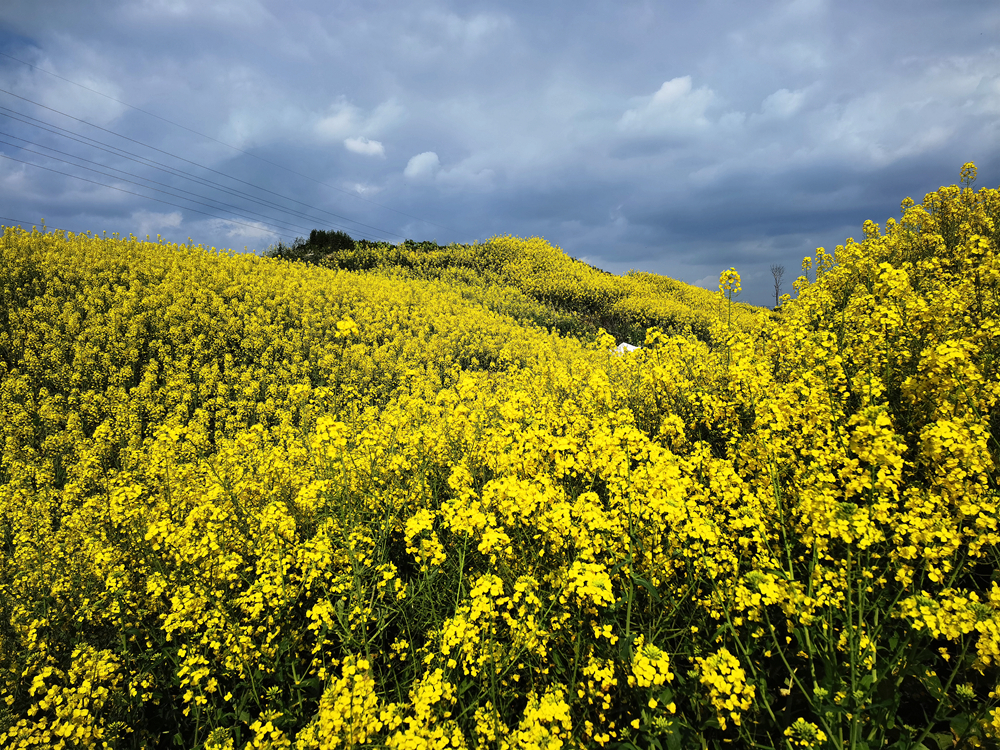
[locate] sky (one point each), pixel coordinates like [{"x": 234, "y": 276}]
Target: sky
[{"x": 679, "y": 138}]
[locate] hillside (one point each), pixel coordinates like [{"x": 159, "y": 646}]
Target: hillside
[
  {"x": 576, "y": 298},
  {"x": 255, "y": 503}
]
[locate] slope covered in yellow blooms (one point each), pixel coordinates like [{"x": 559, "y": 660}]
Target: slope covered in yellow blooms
[
  {"x": 567, "y": 294},
  {"x": 247, "y": 503}
]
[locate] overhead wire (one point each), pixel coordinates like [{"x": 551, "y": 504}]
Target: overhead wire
[
  {"x": 188, "y": 161},
  {"x": 22, "y": 221},
  {"x": 123, "y": 190},
  {"x": 132, "y": 156},
  {"x": 267, "y": 220},
  {"x": 227, "y": 145},
  {"x": 229, "y": 206}
]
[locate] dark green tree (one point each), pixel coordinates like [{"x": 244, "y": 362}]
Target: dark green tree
[{"x": 320, "y": 243}]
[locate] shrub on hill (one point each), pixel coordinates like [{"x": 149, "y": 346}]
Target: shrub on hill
[{"x": 319, "y": 245}]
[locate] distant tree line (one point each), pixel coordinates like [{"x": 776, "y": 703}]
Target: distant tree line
[{"x": 336, "y": 249}]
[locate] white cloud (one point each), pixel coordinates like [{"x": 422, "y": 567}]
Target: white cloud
[
  {"x": 466, "y": 174},
  {"x": 243, "y": 128},
  {"x": 242, "y": 12},
  {"x": 675, "y": 109},
  {"x": 175, "y": 8},
  {"x": 805, "y": 10},
  {"x": 791, "y": 36},
  {"x": 426, "y": 167},
  {"x": 437, "y": 35},
  {"x": 252, "y": 230},
  {"x": 384, "y": 116},
  {"x": 64, "y": 97},
  {"x": 362, "y": 145},
  {"x": 471, "y": 31},
  {"x": 344, "y": 119},
  {"x": 880, "y": 126},
  {"x": 14, "y": 179},
  {"x": 150, "y": 222},
  {"x": 732, "y": 121},
  {"x": 800, "y": 55},
  {"x": 782, "y": 104},
  {"x": 422, "y": 166},
  {"x": 988, "y": 94},
  {"x": 708, "y": 282}
]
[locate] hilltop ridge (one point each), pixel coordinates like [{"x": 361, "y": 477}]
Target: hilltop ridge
[{"x": 560, "y": 291}]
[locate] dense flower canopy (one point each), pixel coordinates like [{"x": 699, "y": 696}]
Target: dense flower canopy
[{"x": 253, "y": 503}]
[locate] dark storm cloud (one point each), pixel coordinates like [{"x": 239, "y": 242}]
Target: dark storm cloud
[{"x": 681, "y": 138}]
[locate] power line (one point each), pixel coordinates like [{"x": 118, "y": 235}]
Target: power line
[
  {"x": 132, "y": 156},
  {"x": 22, "y": 221},
  {"x": 230, "y": 207},
  {"x": 133, "y": 182},
  {"x": 123, "y": 190},
  {"x": 227, "y": 145},
  {"x": 188, "y": 161}
]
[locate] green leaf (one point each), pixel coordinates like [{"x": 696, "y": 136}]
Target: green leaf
[
  {"x": 557, "y": 658},
  {"x": 960, "y": 725},
  {"x": 465, "y": 685},
  {"x": 649, "y": 587},
  {"x": 625, "y": 648},
  {"x": 711, "y": 723},
  {"x": 618, "y": 566},
  {"x": 933, "y": 685},
  {"x": 674, "y": 738}
]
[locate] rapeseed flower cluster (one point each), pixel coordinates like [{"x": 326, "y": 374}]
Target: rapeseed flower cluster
[
  {"x": 727, "y": 687},
  {"x": 805, "y": 734},
  {"x": 650, "y": 665},
  {"x": 253, "y": 503}
]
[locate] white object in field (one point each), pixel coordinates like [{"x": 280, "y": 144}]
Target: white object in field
[{"x": 625, "y": 348}]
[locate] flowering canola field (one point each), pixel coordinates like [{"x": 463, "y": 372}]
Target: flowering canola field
[
  {"x": 249, "y": 503},
  {"x": 535, "y": 281}
]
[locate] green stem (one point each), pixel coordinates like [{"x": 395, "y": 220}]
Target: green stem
[
  {"x": 798, "y": 683},
  {"x": 944, "y": 695},
  {"x": 852, "y": 648}
]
